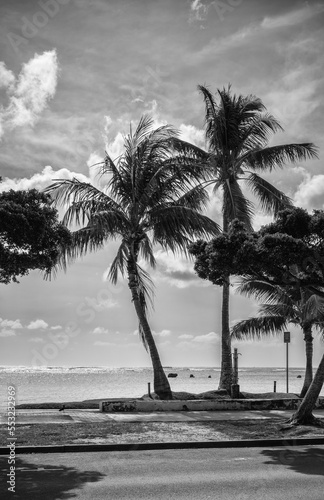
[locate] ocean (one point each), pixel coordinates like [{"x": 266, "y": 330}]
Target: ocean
[{"x": 58, "y": 384}]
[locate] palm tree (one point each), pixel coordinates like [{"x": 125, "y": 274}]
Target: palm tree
[
  {"x": 304, "y": 414},
  {"x": 152, "y": 197},
  {"x": 283, "y": 305},
  {"x": 237, "y": 132}
]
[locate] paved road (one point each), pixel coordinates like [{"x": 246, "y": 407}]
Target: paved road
[{"x": 223, "y": 474}]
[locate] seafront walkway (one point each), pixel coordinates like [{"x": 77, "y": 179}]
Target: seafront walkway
[{"x": 68, "y": 416}]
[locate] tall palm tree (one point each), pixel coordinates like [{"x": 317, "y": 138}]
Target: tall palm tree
[
  {"x": 237, "y": 132},
  {"x": 284, "y": 305},
  {"x": 152, "y": 196}
]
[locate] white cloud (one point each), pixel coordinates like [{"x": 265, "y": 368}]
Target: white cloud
[
  {"x": 198, "y": 10},
  {"x": 190, "y": 133},
  {"x": 101, "y": 305},
  {"x": 99, "y": 330},
  {"x": 94, "y": 169},
  {"x": 100, "y": 343},
  {"x": 30, "y": 92},
  {"x": 7, "y": 77},
  {"x": 7, "y": 333},
  {"x": 175, "y": 270},
  {"x": 162, "y": 333},
  {"x": 12, "y": 324},
  {"x": 40, "y": 180},
  {"x": 185, "y": 336},
  {"x": 293, "y": 17},
  {"x": 37, "y": 324},
  {"x": 57, "y": 327},
  {"x": 208, "y": 338},
  {"x": 37, "y": 340},
  {"x": 310, "y": 193}
]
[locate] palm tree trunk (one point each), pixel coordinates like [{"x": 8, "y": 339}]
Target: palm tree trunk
[
  {"x": 303, "y": 415},
  {"x": 226, "y": 374},
  {"x": 160, "y": 381},
  {"x": 226, "y": 362},
  {"x": 307, "y": 329}
]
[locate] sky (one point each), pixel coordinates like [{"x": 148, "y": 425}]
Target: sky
[{"x": 73, "y": 75}]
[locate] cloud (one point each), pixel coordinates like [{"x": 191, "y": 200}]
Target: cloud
[
  {"x": 310, "y": 193},
  {"x": 7, "y": 77},
  {"x": 101, "y": 305},
  {"x": 37, "y": 324},
  {"x": 57, "y": 327},
  {"x": 99, "y": 330},
  {"x": 192, "y": 134},
  {"x": 186, "y": 336},
  {"x": 100, "y": 343},
  {"x": 30, "y": 92},
  {"x": 292, "y": 18},
  {"x": 208, "y": 338},
  {"x": 36, "y": 340},
  {"x": 40, "y": 180},
  {"x": 162, "y": 333},
  {"x": 12, "y": 324},
  {"x": 198, "y": 11},
  {"x": 7, "y": 333},
  {"x": 175, "y": 270}
]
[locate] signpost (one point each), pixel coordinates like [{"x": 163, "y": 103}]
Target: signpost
[{"x": 286, "y": 341}]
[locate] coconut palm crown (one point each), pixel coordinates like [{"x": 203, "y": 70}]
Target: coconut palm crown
[
  {"x": 283, "y": 305},
  {"x": 152, "y": 196},
  {"x": 238, "y": 130}
]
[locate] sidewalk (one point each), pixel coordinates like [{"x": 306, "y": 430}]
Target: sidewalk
[{"x": 79, "y": 416}]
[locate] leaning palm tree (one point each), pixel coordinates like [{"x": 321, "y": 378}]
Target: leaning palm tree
[
  {"x": 284, "y": 305},
  {"x": 152, "y": 196},
  {"x": 237, "y": 132}
]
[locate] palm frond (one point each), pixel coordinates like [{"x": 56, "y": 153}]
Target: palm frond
[
  {"x": 261, "y": 290},
  {"x": 146, "y": 250},
  {"x": 271, "y": 199},
  {"x": 257, "y": 328},
  {"x": 174, "y": 226},
  {"x": 119, "y": 263},
  {"x": 235, "y": 205},
  {"x": 283, "y": 310},
  {"x": 314, "y": 307},
  {"x": 277, "y": 156}
]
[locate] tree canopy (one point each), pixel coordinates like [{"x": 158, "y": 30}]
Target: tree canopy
[
  {"x": 288, "y": 251},
  {"x": 30, "y": 235}
]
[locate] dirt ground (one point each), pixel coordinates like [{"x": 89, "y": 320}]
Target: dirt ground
[{"x": 111, "y": 432}]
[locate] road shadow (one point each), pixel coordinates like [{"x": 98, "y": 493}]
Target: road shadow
[
  {"x": 305, "y": 461},
  {"x": 39, "y": 482}
]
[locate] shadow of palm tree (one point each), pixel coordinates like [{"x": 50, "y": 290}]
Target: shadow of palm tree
[
  {"x": 305, "y": 461},
  {"x": 36, "y": 482}
]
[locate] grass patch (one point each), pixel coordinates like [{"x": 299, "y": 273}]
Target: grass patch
[{"x": 141, "y": 432}]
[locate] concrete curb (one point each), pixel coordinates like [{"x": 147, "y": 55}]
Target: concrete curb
[{"x": 244, "y": 443}]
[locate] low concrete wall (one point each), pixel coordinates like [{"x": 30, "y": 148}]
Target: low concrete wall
[{"x": 200, "y": 405}]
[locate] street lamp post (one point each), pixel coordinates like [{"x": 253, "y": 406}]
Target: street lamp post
[{"x": 286, "y": 341}]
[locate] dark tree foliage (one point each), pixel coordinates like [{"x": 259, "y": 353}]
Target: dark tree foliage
[
  {"x": 287, "y": 251},
  {"x": 30, "y": 235}
]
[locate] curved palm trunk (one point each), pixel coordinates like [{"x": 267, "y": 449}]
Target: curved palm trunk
[
  {"x": 307, "y": 329},
  {"x": 161, "y": 383},
  {"x": 304, "y": 414},
  {"x": 226, "y": 362}
]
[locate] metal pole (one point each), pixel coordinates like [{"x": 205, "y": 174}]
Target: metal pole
[
  {"x": 149, "y": 389},
  {"x": 235, "y": 359},
  {"x": 274, "y": 386},
  {"x": 287, "y": 371}
]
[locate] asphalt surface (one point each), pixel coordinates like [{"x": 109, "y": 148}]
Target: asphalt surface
[{"x": 291, "y": 473}]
